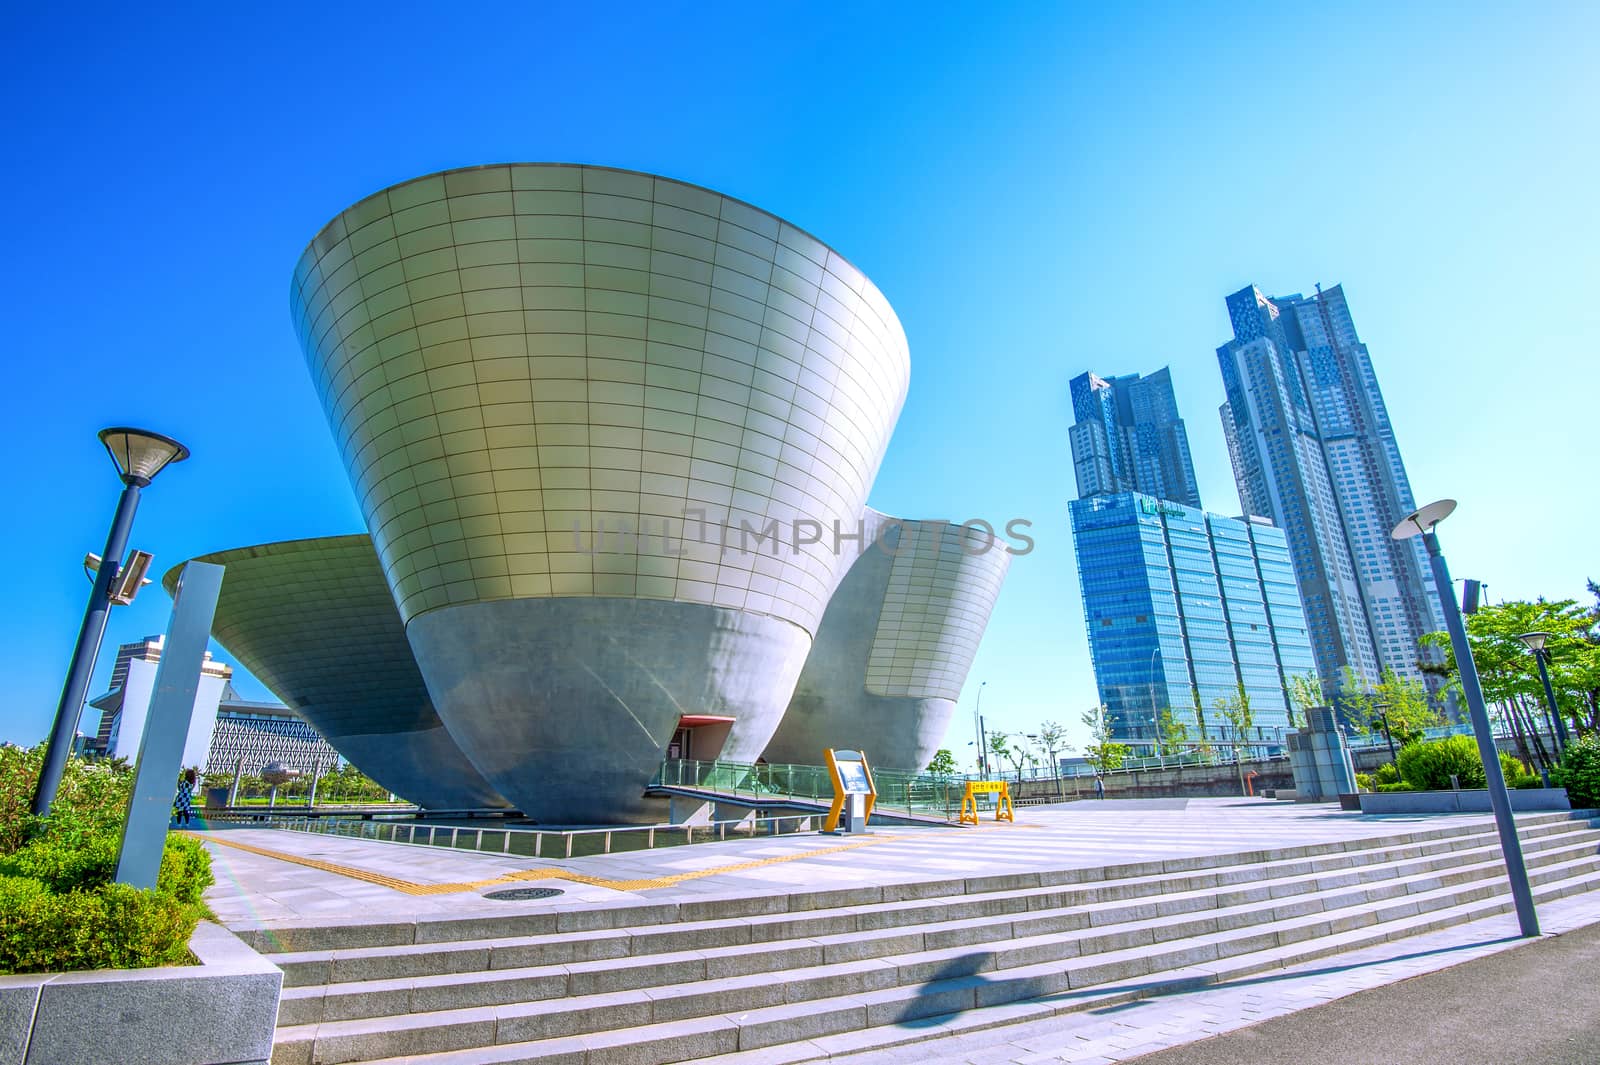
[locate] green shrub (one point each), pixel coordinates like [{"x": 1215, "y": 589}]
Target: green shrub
[
  {"x": 1579, "y": 773},
  {"x": 113, "y": 926},
  {"x": 59, "y": 910},
  {"x": 1399, "y": 785},
  {"x": 1364, "y": 782},
  {"x": 1429, "y": 766},
  {"x": 1526, "y": 780}
]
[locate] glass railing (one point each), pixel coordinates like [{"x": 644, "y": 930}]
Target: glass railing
[{"x": 899, "y": 791}]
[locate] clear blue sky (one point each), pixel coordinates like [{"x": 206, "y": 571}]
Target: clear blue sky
[{"x": 1041, "y": 190}]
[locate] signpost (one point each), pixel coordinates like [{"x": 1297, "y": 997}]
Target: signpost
[
  {"x": 853, "y": 792},
  {"x": 1003, "y": 810}
]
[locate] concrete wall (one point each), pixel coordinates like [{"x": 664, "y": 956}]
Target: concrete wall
[
  {"x": 220, "y": 1012},
  {"x": 1188, "y": 782}
]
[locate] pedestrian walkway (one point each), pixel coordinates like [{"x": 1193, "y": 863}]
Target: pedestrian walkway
[
  {"x": 1566, "y": 999},
  {"x": 266, "y": 875}
]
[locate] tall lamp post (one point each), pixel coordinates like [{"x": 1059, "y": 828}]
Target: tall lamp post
[
  {"x": 1383, "y": 719},
  {"x": 139, "y": 455},
  {"x": 977, "y": 724},
  {"x": 1421, "y": 523},
  {"x": 1535, "y": 642}
]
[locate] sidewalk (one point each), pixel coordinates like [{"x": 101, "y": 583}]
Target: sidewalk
[{"x": 1472, "y": 995}]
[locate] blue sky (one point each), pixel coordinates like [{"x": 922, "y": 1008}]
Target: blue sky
[{"x": 1046, "y": 189}]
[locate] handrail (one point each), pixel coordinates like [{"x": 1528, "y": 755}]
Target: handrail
[{"x": 562, "y": 843}]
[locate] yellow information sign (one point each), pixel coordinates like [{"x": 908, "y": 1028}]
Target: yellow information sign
[
  {"x": 1003, "y": 809},
  {"x": 851, "y": 776}
]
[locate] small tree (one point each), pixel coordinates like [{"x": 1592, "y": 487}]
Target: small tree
[
  {"x": 1171, "y": 734},
  {"x": 1053, "y": 738},
  {"x": 1105, "y": 754},
  {"x": 999, "y": 749},
  {"x": 943, "y": 764},
  {"x": 1305, "y": 692}
]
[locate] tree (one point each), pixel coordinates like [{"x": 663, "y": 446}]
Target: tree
[
  {"x": 1305, "y": 693},
  {"x": 1000, "y": 748},
  {"x": 1404, "y": 701},
  {"x": 1507, "y": 671},
  {"x": 1171, "y": 734},
  {"x": 1053, "y": 738},
  {"x": 943, "y": 764},
  {"x": 1105, "y": 754},
  {"x": 1235, "y": 710}
]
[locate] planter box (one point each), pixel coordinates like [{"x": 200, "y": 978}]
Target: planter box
[
  {"x": 220, "y": 1012},
  {"x": 1457, "y": 802}
]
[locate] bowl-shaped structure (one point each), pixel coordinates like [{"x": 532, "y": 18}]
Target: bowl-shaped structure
[
  {"x": 895, "y": 646},
  {"x": 556, "y": 388},
  {"x": 313, "y": 620}
]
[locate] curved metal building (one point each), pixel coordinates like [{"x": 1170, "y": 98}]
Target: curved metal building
[
  {"x": 556, "y": 389},
  {"x": 895, "y": 646},
  {"x": 313, "y": 620}
]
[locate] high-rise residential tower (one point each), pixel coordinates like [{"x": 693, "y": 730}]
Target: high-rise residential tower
[
  {"x": 1127, "y": 437},
  {"x": 1313, "y": 449}
]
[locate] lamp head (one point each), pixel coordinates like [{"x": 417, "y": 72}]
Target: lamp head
[
  {"x": 140, "y": 454},
  {"x": 1535, "y": 641},
  {"x": 1422, "y": 521}
]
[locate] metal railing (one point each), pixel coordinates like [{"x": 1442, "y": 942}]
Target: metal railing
[
  {"x": 899, "y": 791},
  {"x": 551, "y": 843}
]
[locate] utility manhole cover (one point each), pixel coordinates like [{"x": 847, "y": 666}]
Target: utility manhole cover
[{"x": 521, "y": 894}]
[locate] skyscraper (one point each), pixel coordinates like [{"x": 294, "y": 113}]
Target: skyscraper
[
  {"x": 1186, "y": 609},
  {"x": 1313, "y": 450},
  {"x": 1127, "y": 437}
]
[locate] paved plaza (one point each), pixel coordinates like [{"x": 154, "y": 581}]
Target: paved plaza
[
  {"x": 273, "y": 879},
  {"x": 405, "y": 881}
]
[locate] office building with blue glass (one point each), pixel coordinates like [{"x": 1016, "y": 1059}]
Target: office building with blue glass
[{"x": 1184, "y": 610}]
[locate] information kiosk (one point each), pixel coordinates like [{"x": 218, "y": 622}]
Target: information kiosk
[
  {"x": 1002, "y": 804},
  {"x": 853, "y": 792}
]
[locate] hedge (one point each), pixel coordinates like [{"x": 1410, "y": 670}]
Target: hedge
[
  {"x": 59, "y": 909},
  {"x": 1429, "y": 766},
  {"x": 1579, "y": 772}
]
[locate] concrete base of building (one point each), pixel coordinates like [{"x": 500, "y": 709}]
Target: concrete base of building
[
  {"x": 219, "y": 1012},
  {"x": 567, "y": 705},
  {"x": 425, "y": 767}
]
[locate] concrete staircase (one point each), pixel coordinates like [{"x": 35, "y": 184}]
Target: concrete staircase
[{"x": 806, "y": 976}]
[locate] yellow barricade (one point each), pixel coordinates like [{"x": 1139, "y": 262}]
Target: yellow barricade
[{"x": 1003, "y": 809}]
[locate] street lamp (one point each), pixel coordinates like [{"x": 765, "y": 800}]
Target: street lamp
[
  {"x": 977, "y": 722},
  {"x": 1536, "y": 643},
  {"x": 1421, "y": 523},
  {"x": 1383, "y": 719},
  {"x": 139, "y": 455}
]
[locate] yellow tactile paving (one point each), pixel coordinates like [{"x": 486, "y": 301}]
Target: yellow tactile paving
[{"x": 410, "y": 887}]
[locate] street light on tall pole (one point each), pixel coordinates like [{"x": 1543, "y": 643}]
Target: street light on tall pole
[
  {"x": 139, "y": 455},
  {"x": 1535, "y": 642},
  {"x": 1422, "y": 523},
  {"x": 977, "y": 724},
  {"x": 1388, "y": 734}
]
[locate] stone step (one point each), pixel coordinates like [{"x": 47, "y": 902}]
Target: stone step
[
  {"x": 808, "y": 1031},
  {"x": 829, "y": 996},
  {"x": 289, "y": 941},
  {"x": 1232, "y": 908},
  {"x": 316, "y": 968}
]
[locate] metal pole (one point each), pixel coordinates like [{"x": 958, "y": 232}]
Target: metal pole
[
  {"x": 84, "y": 654},
  {"x": 1388, "y": 734},
  {"x": 977, "y": 720},
  {"x": 1550, "y": 694},
  {"x": 983, "y": 737},
  {"x": 1499, "y": 799}
]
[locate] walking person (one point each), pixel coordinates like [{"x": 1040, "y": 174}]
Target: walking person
[
  {"x": 1099, "y": 787},
  {"x": 184, "y": 803}
]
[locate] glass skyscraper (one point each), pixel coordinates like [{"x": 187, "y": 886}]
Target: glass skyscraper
[
  {"x": 1184, "y": 609},
  {"x": 1127, "y": 437},
  {"x": 1313, "y": 450}
]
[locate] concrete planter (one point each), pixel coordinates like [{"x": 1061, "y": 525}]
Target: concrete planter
[
  {"x": 220, "y": 1012},
  {"x": 1455, "y": 802}
]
